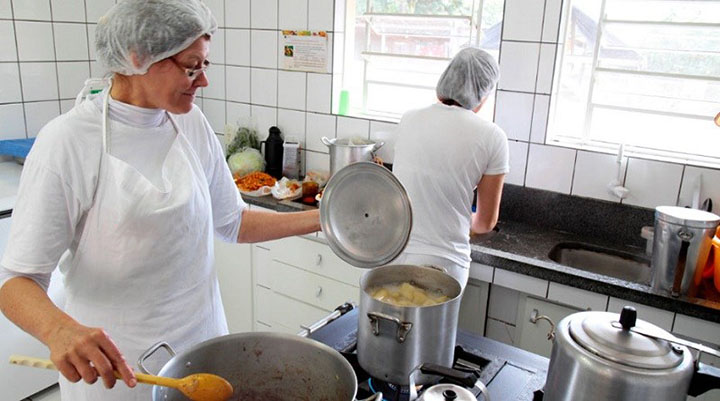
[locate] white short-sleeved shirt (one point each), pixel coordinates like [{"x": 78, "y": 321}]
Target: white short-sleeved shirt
[
  {"x": 59, "y": 178},
  {"x": 441, "y": 154}
]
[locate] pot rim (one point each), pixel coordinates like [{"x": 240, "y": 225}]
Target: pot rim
[{"x": 365, "y": 277}]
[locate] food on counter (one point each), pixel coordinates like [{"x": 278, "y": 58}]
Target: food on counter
[
  {"x": 287, "y": 188},
  {"x": 246, "y": 161},
  {"x": 407, "y": 294},
  {"x": 310, "y": 188},
  {"x": 254, "y": 181}
]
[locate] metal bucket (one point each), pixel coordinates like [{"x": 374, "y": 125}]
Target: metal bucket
[{"x": 344, "y": 152}]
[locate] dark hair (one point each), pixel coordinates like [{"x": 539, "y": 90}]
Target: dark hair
[{"x": 450, "y": 102}]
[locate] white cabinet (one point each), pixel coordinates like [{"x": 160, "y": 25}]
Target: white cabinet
[
  {"x": 473, "y": 307},
  {"x": 533, "y": 336},
  {"x": 233, "y": 266}
]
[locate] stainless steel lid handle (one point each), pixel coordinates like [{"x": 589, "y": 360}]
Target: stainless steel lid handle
[{"x": 403, "y": 328}]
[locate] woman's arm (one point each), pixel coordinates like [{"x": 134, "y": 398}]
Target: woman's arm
[
  {"x": 489, "y": 192},
  {"x": 258, "y": 226},
  {"x": 73, "y": 347}
]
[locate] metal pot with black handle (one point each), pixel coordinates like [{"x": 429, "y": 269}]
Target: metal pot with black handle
[{"x": 600, "y": 356}]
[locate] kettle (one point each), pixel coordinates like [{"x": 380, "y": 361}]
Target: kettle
[{"x": 273, "y": 152}]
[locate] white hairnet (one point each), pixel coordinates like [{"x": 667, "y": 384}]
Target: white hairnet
[
  {"x": 470, "y": 77},
  {"x": 137, "y": 33}
]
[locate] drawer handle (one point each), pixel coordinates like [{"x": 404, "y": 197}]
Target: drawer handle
[
  {"x": 318, "y": 292},
  {"x": 318, "y": 259}
]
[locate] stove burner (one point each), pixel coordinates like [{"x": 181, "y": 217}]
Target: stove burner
[{"x": 391, "y": 392}]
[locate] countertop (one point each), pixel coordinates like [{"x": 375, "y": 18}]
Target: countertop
[{"x": 523, "y": 248}]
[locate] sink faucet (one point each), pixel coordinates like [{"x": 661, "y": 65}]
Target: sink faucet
[{"x": 615, "y": 187}]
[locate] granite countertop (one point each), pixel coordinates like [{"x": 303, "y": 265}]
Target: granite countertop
[{"x": 524, "y": 248}]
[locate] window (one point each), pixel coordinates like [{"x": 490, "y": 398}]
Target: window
[
  {"x": 395, "y": 50},
  {"x": 643, "y": 73}
]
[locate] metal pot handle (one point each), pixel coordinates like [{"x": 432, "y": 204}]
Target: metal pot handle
[
  {"x": 326, "y": 141},
  {"x": 378, "y": 145},
  {"x": 145, "y": 355},
  {"x": 402, "y": 330}
]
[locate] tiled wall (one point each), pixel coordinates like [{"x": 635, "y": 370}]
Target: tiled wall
[{"x": 45, "y": 57}]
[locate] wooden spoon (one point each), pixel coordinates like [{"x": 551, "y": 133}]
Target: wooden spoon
[{"x": 197, "y": 387}]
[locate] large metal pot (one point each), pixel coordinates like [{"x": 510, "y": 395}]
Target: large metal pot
[
  {"x": 394, "y": 340},
  {"x": 344, "y": 151},
  {"x": 263, "y": 366},
  {"x": 602, "y": 356}
]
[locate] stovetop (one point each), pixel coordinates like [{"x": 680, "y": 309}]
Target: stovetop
[{"x": 508, "y": 372}]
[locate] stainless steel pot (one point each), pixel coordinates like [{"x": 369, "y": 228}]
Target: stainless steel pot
[
  {"x": 343, "y": 152},
  {"x": 263, "y": 366},
  {"x": 606, "y": 356},
  {"x": 394, "y": 340}
]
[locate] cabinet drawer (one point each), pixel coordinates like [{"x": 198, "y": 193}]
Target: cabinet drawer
[
  {"x": 311, "y": 288},
  {"x": 276, "y": 309},
  {"x": 317, "y": 258},
  {"x": 262, "y": 272}
]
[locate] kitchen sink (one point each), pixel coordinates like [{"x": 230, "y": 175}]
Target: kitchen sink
[{"x": 605, "y": 261}]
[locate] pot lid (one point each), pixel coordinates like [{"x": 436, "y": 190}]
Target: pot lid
[
  {"x": 447, "y": 392},
  {"x": 602, "y": 334},
  {"x": 687, "y": 216},
  {"x": 365, "y": 215}
]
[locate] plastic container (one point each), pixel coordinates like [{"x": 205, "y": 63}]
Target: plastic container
[{"x": 291, "y": 158}]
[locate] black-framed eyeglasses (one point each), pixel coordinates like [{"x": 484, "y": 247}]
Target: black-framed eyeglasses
[{"x": 192, "y": 73}]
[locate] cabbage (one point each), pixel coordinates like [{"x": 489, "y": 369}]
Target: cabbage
[{"x": 246, "y": 161}]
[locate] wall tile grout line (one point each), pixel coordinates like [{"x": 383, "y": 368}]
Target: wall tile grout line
[{"x": 19, "y": 70}]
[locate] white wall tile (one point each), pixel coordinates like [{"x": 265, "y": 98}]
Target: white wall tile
[
  {"x": 217, "y": 8},
  {"x": 652, "y": 183},
  {"x": 68, "y": 10},
  {"x": 291, "y": 89},
  {"x": 546, "y": 67},
  {"x": 8, "y": 50},
  {"x": 97, "y": 8},
  {"x": 13, "y": 121},
  {"x": 550, "y": 168},
  {"x": 593, "y": 174},
  {"x": 709, "y": 186},
  {"x": 5, "y": 9},
  {"x": 265, "y": 117},
  {"x": 317, "y": 161},
  {"x": 71, "y": 42},
  {"x": 238, "y": 84},
  {"x": 263, "y": 49},
  {"x": 318, "y": 92},
  {"x": 39, "y": 81},
  {"x": 513, "y": 113},
  {"x": 71, "y": 77},
  {"x": 522, "y": 20},
  {"x": 66, "y": 105},
  {"x": 320, "y": 15},
  {"x": 38, "y": 114},
  {"x": 539, "y": 119},
  {"x": 263, "y": 14},
  {"x": 387, "y": 133},
  {"x": 32, "y": 9},
  {"x": 518, "y": 162},
  {"x": 97, "y": 69},
  {"x": 293, "y": 14},
  {"x": 34, "y": 41},
  {"x": 352, "y": 127},
  {"x": 503, "y": 303},
  {"x": 263, "y": 87},
  {"x": 292, "y": 124},
  {"x": 214, "y": 110},
  {"x": 661, "y": 318},
  {"x": 237, "y": 13},
  {"x": 551, "y": 22},
  {"x": 91, "y": 40},
  {"x": 518, "y": 66},
  {"x": 217, "y": 47},
  {"x": 318, "y": 126},
  {"x": 237, "y": 47},
  {"x": 237, "y": 114},
  {"x": 216, "y": 76},
  {"x": 576, "y": 297},
  {"x": 520, "y": 282}
]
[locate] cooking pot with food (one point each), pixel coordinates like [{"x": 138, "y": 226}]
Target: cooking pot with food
[
  {"x": 605, "y": 356},
  {"x": 345, "y": 151},
  {"x": 263, "y": 367}
]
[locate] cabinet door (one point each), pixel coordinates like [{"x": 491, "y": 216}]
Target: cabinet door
[
  {"x": 533, "y": 336},
  {"x": 473, "y": 307},
  {"x": 232, "y": 262}
]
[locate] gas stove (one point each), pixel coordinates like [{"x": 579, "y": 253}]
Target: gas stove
[{"x": 508, "y": 372}]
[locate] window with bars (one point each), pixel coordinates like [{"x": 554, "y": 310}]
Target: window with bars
[
  {"x": 639, "y": 73},
  {"x": 395, "y": 50}
]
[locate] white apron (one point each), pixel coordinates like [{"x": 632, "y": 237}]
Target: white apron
[{"x": 143, "y": 267}]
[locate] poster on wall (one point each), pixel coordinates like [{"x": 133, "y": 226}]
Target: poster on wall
[{"x": 305, "y": 51}]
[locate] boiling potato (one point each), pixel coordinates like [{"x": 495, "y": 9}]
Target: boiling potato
[{"x": 407, "y": 294}]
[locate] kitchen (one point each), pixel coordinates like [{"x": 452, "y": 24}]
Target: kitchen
[{"x": 46, "y": 58}]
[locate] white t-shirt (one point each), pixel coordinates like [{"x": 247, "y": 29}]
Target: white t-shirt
[
  {"x": 441, "y": 154},
  {"x": 59, "y": 177}
]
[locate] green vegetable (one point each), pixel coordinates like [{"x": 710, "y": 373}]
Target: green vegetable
[
  {"x": 244, "y": 138},
  {"x": 246, "y": 161}
]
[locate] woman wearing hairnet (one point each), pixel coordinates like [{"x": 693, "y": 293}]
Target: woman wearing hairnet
[
  {"x": 442, "y": 153},
  {"x": 132, "y": 182}
]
